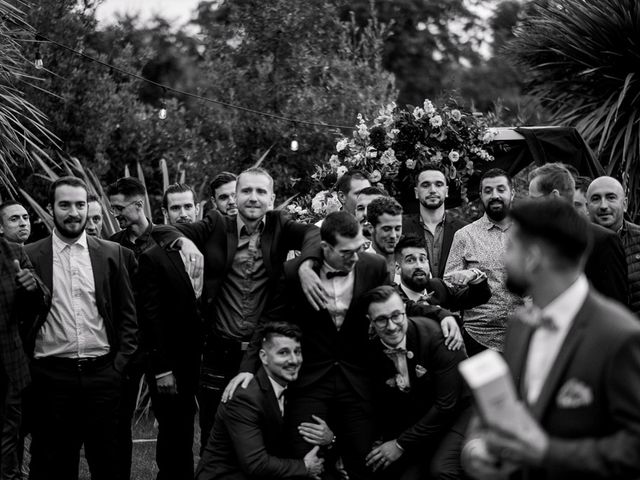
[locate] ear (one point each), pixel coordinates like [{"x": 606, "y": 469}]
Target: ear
[
  {"x": 263, "y": 356},
  {"x": 446, "y": 191},
  {"x": 342, "y": 198},
  {"x": 50, "y": 209},
  {"x": 197, "y": 206},
  {"x": 555, "y": 193},
  {"x": 397, "y": 268},
  {"x": 625, "y": 204},
  {"x": 415, "y": 191},
  {"x": 533, "y": 258},
  {"x": 165, "y": 215}
]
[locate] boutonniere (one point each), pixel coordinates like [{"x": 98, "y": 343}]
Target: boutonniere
[
  {"x": 420, "y": 371},
  {"x": 409, "y": 354},
  {"x": 398, "y": 382}
]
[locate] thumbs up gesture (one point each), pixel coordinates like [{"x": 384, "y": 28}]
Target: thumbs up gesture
[{"x": 24, "y": 277}]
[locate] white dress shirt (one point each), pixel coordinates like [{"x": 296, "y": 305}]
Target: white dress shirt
[
  {"x": 400, "y": 361},
  {"x": 414, "y": 296},
  {"x": 74, "y": 328},
  {"x": 546, "y": 343},
  {"x": 339, "y": 293},
  {"x": 279, "y": 391}
]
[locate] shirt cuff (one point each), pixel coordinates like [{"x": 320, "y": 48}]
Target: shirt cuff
[{"x": 163, "y": 374}]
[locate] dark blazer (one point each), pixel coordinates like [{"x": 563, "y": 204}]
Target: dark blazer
[
  {"x": 412, "y": 225},
  {"x": 171, "y": 328},
  {"x": 437, "y": 396},
  {"x": 601, "y": 437},
  {"x": 454, "y": 299},
  {"x": 323, "y": 345},
  {"x": 216, "y": 236},
  {"x": 606, "y": 266},
  {"x": 247, "y": 440},
  {"x": 114, "y": 296},
  {"x": 17, "y": 306}
]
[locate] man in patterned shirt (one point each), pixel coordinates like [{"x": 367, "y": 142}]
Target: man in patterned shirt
[{"x": 481, "y": 245}]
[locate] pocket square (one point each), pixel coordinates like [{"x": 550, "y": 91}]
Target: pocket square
[
  {"x": 574, "y": 394},
  {"x": 420, "y": 371}
]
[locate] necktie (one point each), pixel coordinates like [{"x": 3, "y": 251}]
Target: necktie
[
  {"x": 337, "y": 273},
  {"x": 282, "y": 401}
]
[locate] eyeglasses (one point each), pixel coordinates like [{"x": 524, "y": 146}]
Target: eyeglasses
[
  {"x": 118, "y": 209},
  {"x": 347, "y": 254},
  {"x": 396, "y": 317}
]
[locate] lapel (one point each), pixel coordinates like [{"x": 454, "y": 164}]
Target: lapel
[
  {"x": 99, "y": 267},
  {"x": 232, "y": 239},
  {"x": 447, "y": 239},
  {"x": 176, "y": 261},
  {"x": 359, "y": 288},
  {"x": 266, "y": 240},
  {"x": 517, "y": 354},
  {"x": 413, "y": 346},
  {"x": 45, "y": 261},
  {"x": 272, "y": 412},
  {"x": 567, "y": 350}
]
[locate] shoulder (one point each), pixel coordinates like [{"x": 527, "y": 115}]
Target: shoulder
[
  {"x": 601, "y": 234},
  {"x": 632, "y": 228},
  {"x": 35, "y": 247},
  {"x": 456, "y": 222},
  {"x": 371, "y": 261},
  {"x": 410, "y": 221},
  {"x": 611, "y": 319},
  {"x": 425, "y": 328},
  {"x": 105, "y": 246},
  {"x": 247, "y": 397}
]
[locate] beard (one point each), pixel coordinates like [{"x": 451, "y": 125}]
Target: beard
[
  {"x": 70, "y": 227},
  {"x": 417, "y": 283},
  {"x": 516, "y": 286},
  {"x": 432, "y": 203},
  {"x": 496, "y": 210}
]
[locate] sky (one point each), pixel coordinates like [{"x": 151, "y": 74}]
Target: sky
[{"x": 176, "y": 10}]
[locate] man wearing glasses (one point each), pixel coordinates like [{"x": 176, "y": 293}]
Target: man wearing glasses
[
  {"x": 417, "y": 380},
  {"x": 334, "y": 382}
]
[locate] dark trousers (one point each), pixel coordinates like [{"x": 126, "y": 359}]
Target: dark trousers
[
  {"x": 471, "y": 345},
  {"x": 220, "y": 363},
  {"x": 175, "y": 415},
  {"x": 347, "y": 414},
  {"x": 74, "y": 405},
  {"x": 10, "y": 439},
  {"x": 129, "y": 398}
]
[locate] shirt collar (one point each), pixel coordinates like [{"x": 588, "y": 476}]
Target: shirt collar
[
  {"x": 563, "y": 309},
  {"x": 277, "y": 388},
  {"x": 441, "y": 222},
  {"x": 415, "y": 296},
  {"x": 59, "y": 245},
  {"x": 242, "y": 225},
  {"x": 402, "y": 344},
  {"x": 488, "y": 224},
  {"x": 328, "y": 268}
]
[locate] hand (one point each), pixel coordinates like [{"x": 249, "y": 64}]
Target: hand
[
  {"x": 167, "y": 384},
  {"x": 195, "y": 263},
  {"x": 460, "y": 278},
  {"x": 317, "y": 433},
  {"x": 313, "y": 463},
  {"x": 521, "y": 441},
  {"x": 25, "y": 277},
  {"x": 480, "y": 464},
  {"x": 243, "y": 379},
  {"x": 384, "y": 455},
  {"x": 452, "y": 335},
  {"x": 312, "y": 285}
]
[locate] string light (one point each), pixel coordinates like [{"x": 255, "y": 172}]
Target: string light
[
  {"x": 38, "y": 63},
  {"x": 162, "y": 114},
  {"x": 294, "y": 144}
]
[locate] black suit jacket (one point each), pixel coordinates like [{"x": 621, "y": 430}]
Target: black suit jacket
[
  {"x": 600, "y": 358},
  {"x": 454, "y": 299},
  {"x": 170, "y": 323},
  {"x": 606, "y": 266},
  {"x": 114, "y": 296},
  {"x": 411, "y": 225},
  {"x": 437, "y": 396},
  {"x": 216, "y": 236},
  {"x": 247, "y": 440},
  {"x": 323, "y": 345}
]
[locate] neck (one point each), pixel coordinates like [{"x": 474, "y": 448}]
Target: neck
[
  {"x": 546, "y": 290},
  {"x": 251, "y": 225},
  {"x": 66, "y": 239},
  {"x": 502, "y": 223},
  {"x": 431, "y": 216},
  {"x": 137, "y": 229},
  {"x": 279, "y": 381}
]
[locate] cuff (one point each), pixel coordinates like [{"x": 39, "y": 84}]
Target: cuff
[{"x": 163, "y": 374}]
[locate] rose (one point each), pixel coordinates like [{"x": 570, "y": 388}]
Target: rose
[
  {"x": 342, "y": 170},
  {"x": 456, "y": 115},
  {"x": 411, "y": 164},
  {"x": 334, "y": 161},
  {"x": 489, "y": 135},
  {"x": 388, "y": 158},
  {"x": 318, "y": 202},
  {"x": 436, "y": 121},
  {"x": 342, "y": 144},
  {"x": 375, "y": 176},
  {"x": 454, "y": 156},
  {"x": 428, "y": 107},
  {"x": 333, "y": 204},
  {"x": 418, "y": 113}
]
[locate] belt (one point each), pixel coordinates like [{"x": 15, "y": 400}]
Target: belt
[{"x": 79, "y": 364}]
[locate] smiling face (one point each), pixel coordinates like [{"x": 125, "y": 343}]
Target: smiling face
[
  {"x": 69, "y": 211},
  {"x": 282, "y": 358},
  {"x": 344, "y": 254},
  {"x": 14, "y": 224},
  {"x": 431, "y": 189},
  {"x": 606, "y": 203},
  {"x": 254, "y": 195},
  {"x": 496, "y": 196},
  {"x": 393, "y": 330},
  {"x": 387, "y": 233}
]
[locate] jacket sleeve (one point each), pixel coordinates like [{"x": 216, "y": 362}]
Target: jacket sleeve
[
  {"x": 616, "y": 455},
  {"x": 33, "y": 303},
  {"x": 467, "y": 297},
  {"x": 198, "y": 232},
  {"x": 303, "y": 237},
  {"x": 125, "y": 308},
  {"x": 607, "y": 269}
]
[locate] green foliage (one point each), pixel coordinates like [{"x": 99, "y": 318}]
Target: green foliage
[{"x": 582, "y": 62}]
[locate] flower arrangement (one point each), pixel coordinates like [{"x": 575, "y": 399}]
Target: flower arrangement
[{"x": 392, "y": 147}]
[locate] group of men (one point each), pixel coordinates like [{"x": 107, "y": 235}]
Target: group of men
[{"x": 341, "y": 362}]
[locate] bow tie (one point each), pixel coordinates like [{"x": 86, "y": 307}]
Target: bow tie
[
  {"x": 337, "y": 273},
  {"x": 533, "y": 316},
  {"x": 395, "y": 352}
]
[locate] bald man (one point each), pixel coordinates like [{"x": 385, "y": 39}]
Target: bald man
[{"x": 607, "y": 203}]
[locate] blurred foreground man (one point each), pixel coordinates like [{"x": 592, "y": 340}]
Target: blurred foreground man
[{"x": 575, "y": 359}]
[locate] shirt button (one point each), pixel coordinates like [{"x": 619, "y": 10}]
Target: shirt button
[{"x": 637, "y": 256}]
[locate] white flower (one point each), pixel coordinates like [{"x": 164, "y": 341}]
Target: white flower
[
  {"x": 342, "y": 170},
  {"x": 437, "y": 158},
  {"x": 333, "y": 204},
  {"x": 436, "y": 121},
  {"x": 489, "y": 135},
  {"x": 318, "y": 202},
  {"x": 372, "y": 153},
  {"x": 428, "y": 107},
  {"x": 393, "y": 133},
  {"x": 291, "y": 208},
  {"x": 388, "y": 158},
  {"x": 411, "y": 164},
  {"x": 342, "y": 144},
  {"x": 401, "y": 382},
  {"x": 418, "y": 113},
  {"x": 454, "y": 156},
  {"x": 375, "y": 176},
  {"x": 334, "y": 161},
  {"x": 456, "y": 115}
]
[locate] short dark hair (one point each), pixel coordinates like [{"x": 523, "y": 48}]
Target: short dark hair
[
  {"x": 557, "y": 223},
  {"x": 380, "y": 206},
  {"x": 279, "y": 328},
  {"x": 493, "y": 173},
  {"x": 373, "y": 191},
  {"x": 7, "y": 204},
  {"x": 177, "y": 188},
  {"x": 344, "y": 182},
  {"x": 68, "y": 181},
  {"x": 219, "y": 180},
  {"x": 554, "y": 176},
  {"x": 377, "y": 295},
  {"x": 128, "y": 187},
  {"x": 410, "y": 241},
  {"x": 429, "y": 166},
  {"x": 582, "y": 184},
  {"x": 92, "y": 198},
  {"x": 259, "y": 171},
  {"x": 339, "y": 223}
]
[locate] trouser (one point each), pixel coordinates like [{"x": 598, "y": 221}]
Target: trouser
[
  {"x": 350, "y": 416},
  {"x": 129, "y": 399},
  {"x": 471, "y": 345},
  {"x": 175, "y": 414},
  {"x": 220, "y": 363},
  {"x": 75, "y": 403},
  {"x": 10, "y": 439}
]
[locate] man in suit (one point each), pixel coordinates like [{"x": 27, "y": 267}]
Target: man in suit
[
  {"x": 432, "y": 222},
  {"x": 15, "y": 225},
  {"x": 247, "y": 440},
  {"x": 420, "y": 397},
  {"x": 95, "y": 217},
  {"x": 574, "y": 356},
  {"x": 606, "y": 266},
  {"x": 335, "y": 380},
  {"x": 82, "y": 344},
  {"x": 244, "y": 255},
  {"x": 172, "y": 336},
  {"x": 384, "y": 214}
]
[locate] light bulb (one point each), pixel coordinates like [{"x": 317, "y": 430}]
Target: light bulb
[
  {"x": 39, "y": 64},
  {"x": 294, "y": 145},
  {"x": 162, "y": 114}
]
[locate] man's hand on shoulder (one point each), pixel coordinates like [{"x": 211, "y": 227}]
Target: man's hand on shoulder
[
  {"x": 242, "y": 379},
  {"x": 195, "y": 259},
  {"x": 312, "y": 285}
]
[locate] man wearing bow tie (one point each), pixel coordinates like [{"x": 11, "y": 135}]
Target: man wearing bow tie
[
  {"x": 574, "y": 356},
  {"x": 421, "y": 398}
]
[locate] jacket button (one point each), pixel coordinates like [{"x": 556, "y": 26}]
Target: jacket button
[{"x": 637, "y": 256}]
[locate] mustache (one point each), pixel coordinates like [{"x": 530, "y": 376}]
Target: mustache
[{"x": 419, "y": 270}]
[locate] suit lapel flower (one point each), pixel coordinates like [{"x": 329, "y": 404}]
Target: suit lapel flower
[
  {"x": 574, "y": 394},
  {"x": 398, "y": 381},
  {"x": 420, "y": 371}
]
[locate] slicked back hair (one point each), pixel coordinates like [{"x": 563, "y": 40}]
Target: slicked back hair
[
  {"x": 344, "y": 182},
  {"x": 377, "y": 295},
  {"x": 279, "y": 328},
  {"x": 128, "y": 187},
  {"x": 219, "y": 180},
  {"x": 494, "y": 173},
  {"x": 432, "y": 166},
  {"x": 177, "y": 188},
  {"x": 554, "y": 176}
]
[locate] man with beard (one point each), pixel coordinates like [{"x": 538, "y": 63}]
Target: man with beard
[
  {"x": 480, "y": 245},
  {"x": 94, "y": 217},
  {"x": 223, "y": 193},
  {"x": 606, "y": 266},
  {"x": 432, "y": 222},
  {"x": 179, "y": 204},
  {"x": 384, "y": 214},
  {"x": 81, "y": 346},
  {"x": 574, "y": 356},
  {"x": 15, "y": 225}
]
